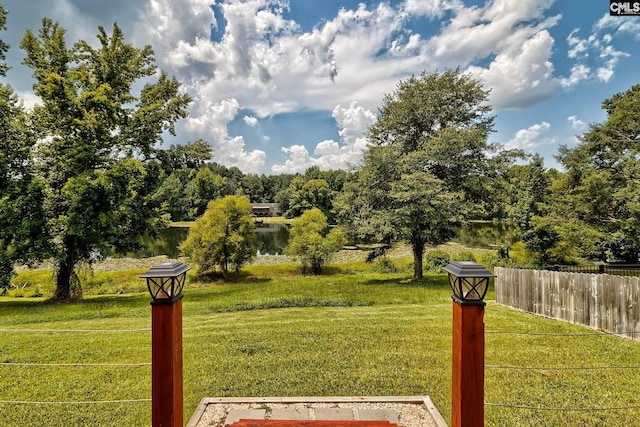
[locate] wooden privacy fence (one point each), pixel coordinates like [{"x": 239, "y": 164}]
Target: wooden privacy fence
[{"x": 601, "y": 301}]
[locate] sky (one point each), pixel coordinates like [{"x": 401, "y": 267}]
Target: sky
[{"x": 282, "y": 85}]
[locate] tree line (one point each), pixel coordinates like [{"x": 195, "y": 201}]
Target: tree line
[
  {"x": 189, "y": 179},
  {"x": 83, "y": 175}
]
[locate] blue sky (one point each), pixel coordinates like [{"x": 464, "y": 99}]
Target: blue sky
[{"x": 280, "y": 86}]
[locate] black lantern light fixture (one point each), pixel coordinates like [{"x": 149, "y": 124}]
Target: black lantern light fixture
[
  {"x": 469, "y": 281},
  {"x": 166, "y": 280}
]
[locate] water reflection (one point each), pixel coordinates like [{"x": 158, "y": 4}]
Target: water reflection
[
  {"x": 271, "y": 239},
  {"x": 167, "y": 243},
  {"x": 482, "y": 234}
]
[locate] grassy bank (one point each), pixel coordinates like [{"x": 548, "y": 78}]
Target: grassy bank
[
  {"x": 276, "y": 333},
  {"x": 121, "y": 275}
]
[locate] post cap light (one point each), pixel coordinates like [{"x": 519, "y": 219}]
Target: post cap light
[
  {"x": 166, "y": 280},
  {"x": 469, "y": 281}
]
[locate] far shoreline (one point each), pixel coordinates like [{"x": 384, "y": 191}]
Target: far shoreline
[{"x": 262, "y": 220}]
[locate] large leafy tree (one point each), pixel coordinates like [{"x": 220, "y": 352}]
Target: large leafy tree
[
  {"x": 272, "y": 185},
  {"x": 178, "y": 167},
  {"x": 285, "y": 195},
  {"x": 253, "y": 188},
  {"x": 224, "y": 236},
  {"x": 314, "y": 193},
  {"x": 95, "y": 134},
  {"x": 314, "y": 189},
  {"x": 190, "y": 156},
  {"x": 527, "y": 199},
  {"x": 203, "y": 188},
  {"x": 527, "y": 190},
  {"x": 22, "y": 226},
  {"x": 600, "y": 190},
  {"x": 172, "y": 195},
  {"x": 427, "y": 164},
  {"x": 3, "y": 46}
]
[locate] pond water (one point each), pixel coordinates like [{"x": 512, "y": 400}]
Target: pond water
[
  {"x": 271, "y": 239},
  {"x": 485, "y": 234}
]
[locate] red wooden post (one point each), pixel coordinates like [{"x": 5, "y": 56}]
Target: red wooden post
[
  {"x": 467, "y": 408},
  {"x": 166, "y": 361}
]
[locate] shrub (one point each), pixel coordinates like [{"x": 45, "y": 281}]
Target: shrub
[
  {"x": 521, "y": 255},
  {"x": 491, "y": 261},
  {"x": 310, "y": 241},
  {"x": 436, "y": 259},
  {"x": 384, "y": 265},
  {"x": 463, "y": 256},
  {"x": 223, "y": 235}
]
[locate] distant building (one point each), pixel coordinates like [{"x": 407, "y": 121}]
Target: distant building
[{"x": 263, "y": 210}]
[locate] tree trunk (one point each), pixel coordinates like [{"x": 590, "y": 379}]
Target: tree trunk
[
  {"x": 418, "y": 252},
  {"x": 63, "y": 282},
  {"x": 223, "y": 269},
  {"x": 67, "y": 283},
  {"x": 316, "y": 266}
]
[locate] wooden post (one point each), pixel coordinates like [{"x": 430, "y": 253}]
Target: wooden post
[
  {"x": 467, "y": 408},
  {"x": 166, "y": 363}
]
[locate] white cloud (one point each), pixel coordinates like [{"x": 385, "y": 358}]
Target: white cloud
[
  {"x": 431, "y": 8},
  {"x": 213, "y": 117},
  {"x": 595, "y": 55},
  {"x": 235, "y": 154},
  {"x": 327, "y": 148},
  {"x": 263, "y": 64},
  {"x": 353, "y": 122},
  {"x": 298, "y": 161},
  {"x": 29, "y": 99},
  {"x": 270, "y": 66},
  {"x": 262, "y": 60},
  {"x": 576, "y": 124},
  {"x": 250, "y": 121},
  {"x": 210, "y": 123},
  {"x": 612, "y": 56},
  {"x": 579, "y": 73},
  {"x": 606, "y": 73},
  {"x": 578, "y": 45},
  {"x": 166, "y": 22},
  {"x": 501, "y": 27},
  {"x": 620, "y": 24},
  {"x": 515, "y": 35},
  {"x": 530, "y": 138},
  {"x": 521, "y": 77}
]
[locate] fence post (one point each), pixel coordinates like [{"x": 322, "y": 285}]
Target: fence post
[
  {"x": 469, "y": 282},
  {"x": 166, "y": 361},
  {"x": 165, "y": 282}
]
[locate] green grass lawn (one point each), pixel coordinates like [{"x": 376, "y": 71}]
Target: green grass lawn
[{"x": 353, "y": 332}]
